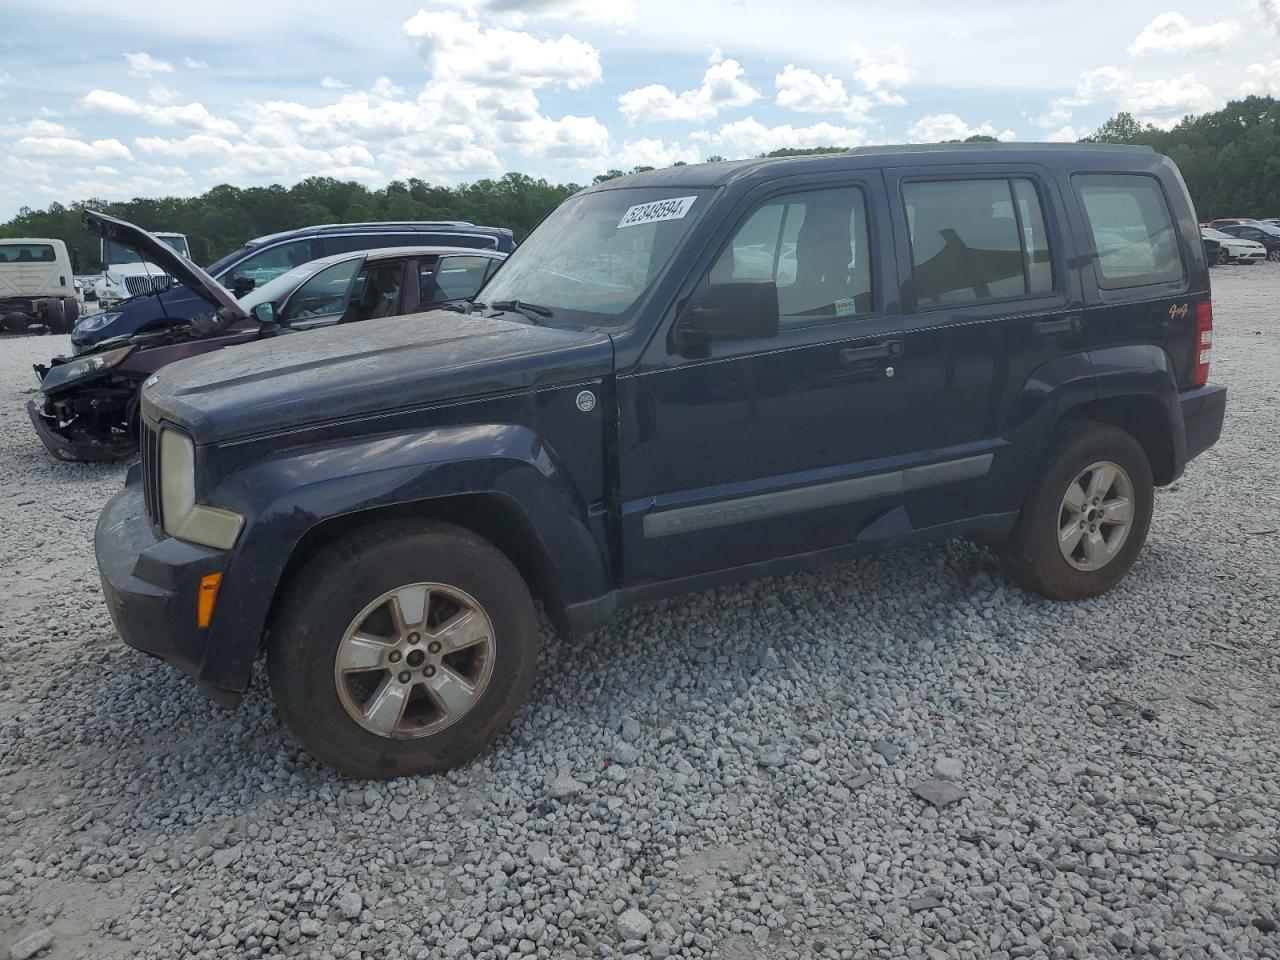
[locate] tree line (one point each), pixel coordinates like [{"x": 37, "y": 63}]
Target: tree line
[{"x": 1230, "y": 159}]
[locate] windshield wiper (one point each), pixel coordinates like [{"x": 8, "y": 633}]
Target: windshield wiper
[{"x": 531, "y": 311}]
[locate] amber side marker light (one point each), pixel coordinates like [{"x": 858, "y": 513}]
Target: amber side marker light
[{"x": 208, "y": 597}]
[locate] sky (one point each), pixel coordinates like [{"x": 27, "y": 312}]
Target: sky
[{"x": 111, "y": 100}]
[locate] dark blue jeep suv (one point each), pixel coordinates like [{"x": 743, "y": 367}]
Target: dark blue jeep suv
[
  {"x": 262, "y": 260},
  {"x": 683, "y": 378}
]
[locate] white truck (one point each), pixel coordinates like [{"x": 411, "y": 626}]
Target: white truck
[
  {"x": 125, "y": 274},
  {"x": 37, "y": 285}
]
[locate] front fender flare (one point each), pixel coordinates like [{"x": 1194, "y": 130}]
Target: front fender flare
[{"x": 285, "y": 496}]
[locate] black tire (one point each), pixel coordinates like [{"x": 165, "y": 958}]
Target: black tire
[
  {"x": 70, "y": 314},
  {"x": 337, "y": 586},
  {"x": 16, "y": 322},
  {"x": 54, "y": 314},
  {"x": 1033, "y": 554}
]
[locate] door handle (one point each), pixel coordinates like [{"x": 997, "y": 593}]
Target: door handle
[
  {"x": 1048, "y": 328},
  {"x": 877, "y": 351}
]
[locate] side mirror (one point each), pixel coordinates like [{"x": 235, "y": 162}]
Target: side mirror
[
  {"x": 240, "y": 284},
  {"x": 737, "y": 310},
  {"x": 265, "y": 314}
]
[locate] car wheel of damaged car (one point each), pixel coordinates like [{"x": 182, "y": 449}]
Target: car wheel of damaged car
[
  {"x": 402, "y": 649},
  {"x": 1087, "y": 516}
]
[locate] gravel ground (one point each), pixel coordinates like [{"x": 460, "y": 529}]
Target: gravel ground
[{"x": 729, "y": 775}]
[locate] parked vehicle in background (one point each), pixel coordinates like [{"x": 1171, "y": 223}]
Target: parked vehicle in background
[
  {"x": 262, "y": 260},
  {"x": 1269, "y": 238},
  {"x": 86, "y": 287},
  {"x": 1213, "y": 251},
  {"x": 88, "y": 408},
  {"x": 1234, "y": 249},
  {"x": 37, "y": 285},
  {"x": 127, "y": 274},
  {"x": 1009, "y": 343}
]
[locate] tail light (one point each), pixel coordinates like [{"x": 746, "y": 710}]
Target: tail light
[{"x": 1204, "y": 342}]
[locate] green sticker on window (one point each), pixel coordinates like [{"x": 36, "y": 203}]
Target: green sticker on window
[{"x": 846, "y": 307}]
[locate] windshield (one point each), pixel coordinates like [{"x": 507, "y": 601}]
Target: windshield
[
  {"x": 1212, "y": 234},
  {"x": 593, "y": 258},
  {"x": 113, "y": 253}
]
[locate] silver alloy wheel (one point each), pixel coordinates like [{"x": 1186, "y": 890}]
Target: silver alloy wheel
[
  {"x": 1096, "y": 516},
  {"x": 1273, "y": 255},
  {"x": 415, "y": 660}
]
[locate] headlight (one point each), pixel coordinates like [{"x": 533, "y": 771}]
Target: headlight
[
  {"x": 66, "y": 374},
  {"x": 95, "y": 321},
  {"x": 181, "y": 515}
]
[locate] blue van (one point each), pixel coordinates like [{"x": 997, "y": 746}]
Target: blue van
[{"x": 262, "y": 260}]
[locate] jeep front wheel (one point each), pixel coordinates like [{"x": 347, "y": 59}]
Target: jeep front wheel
[
  {"x": 402, "y": 651},
  {"x": 1087, "y": 517}
]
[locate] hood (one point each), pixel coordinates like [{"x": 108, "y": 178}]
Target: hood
[
  {"x": 395, "y": 363},
  {"x": 164, "y": 257}
]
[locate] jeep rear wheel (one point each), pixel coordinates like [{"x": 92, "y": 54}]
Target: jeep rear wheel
[
  {"x": 1087, "y": 515},
  {"x": 402, "y": 650}
]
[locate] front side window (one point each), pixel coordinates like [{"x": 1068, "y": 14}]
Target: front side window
[
  {"x": 266, "y": 265},
  {"x": 324, "y": 294},
  {"x": 976, "y": 240},
  {"x": 453, "y": 278},
  {"x": 597, "y": 254},
  {"x": 1134, "y": 241},
  {"x": 814, "y": 245}
]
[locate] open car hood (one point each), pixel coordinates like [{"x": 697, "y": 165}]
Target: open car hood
[{"x": 163, "y": 256}]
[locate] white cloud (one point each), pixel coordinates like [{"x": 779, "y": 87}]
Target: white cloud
[
  {"x": 653, "y": 153},
  {"x": 1094, "y": 85},
  {"x": 194, "y": 115},
  {"x": 1173, "y": 98},
  {"x": 520, "y": 12},
  {"x": 458, "y": 49},
  {"x": 1269, "y": 10},
  {"x": 936, "y": 127},
  {"x": 333, "y": 83},
  {"x": 192, "y": 64},
  {"x": 881, "y": 76},
  {"x": 1065, "y": 135},
  {"x": 145, "y": 65},
  {"x": 196, "y": 145},
  {"x": 36, "y": 127},
  {"x": 1172, "y": 33},
  {"x": 162, "y": 94},
  {"x": 64, "y": 149},
  {"x": 722, "y": 88},
  {"x": 805, "y": 92},
  {"x": 1262, "y": 79},
  {"x": 750, "y": 137}
]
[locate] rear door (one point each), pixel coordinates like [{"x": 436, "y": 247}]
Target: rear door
[{"x": 991, "y": 298}]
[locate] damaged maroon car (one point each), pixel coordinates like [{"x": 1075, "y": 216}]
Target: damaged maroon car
[{"x": 88, "y": 409}]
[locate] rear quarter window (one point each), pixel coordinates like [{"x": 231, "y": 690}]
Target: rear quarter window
[{"x": 1134, "y": 240}]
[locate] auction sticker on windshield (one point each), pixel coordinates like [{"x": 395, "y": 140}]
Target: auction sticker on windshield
[{"x": 655, "y": 210}]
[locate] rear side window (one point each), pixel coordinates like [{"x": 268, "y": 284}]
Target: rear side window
[
  {"x": 976, "y": 240},
  {"x": 1134, "y": 241}
]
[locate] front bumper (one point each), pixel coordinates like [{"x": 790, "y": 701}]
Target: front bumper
[
  {"x": 150, "y": 583},
  {"x": 71, "y": 445},
  {"x": 1203, "y": 411}
]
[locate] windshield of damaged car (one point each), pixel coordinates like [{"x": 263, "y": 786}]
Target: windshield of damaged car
[{"x": 593, "y": 258}]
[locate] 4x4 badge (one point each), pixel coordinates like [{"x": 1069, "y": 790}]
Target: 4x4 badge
[
  {"x": 586, "y": 401},
  {"x": 1179, "y": 310}
]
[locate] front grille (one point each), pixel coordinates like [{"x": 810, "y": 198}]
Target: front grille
[
  {"x": 151, "y": 471},
  {"x": 140, "y": 284}
]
